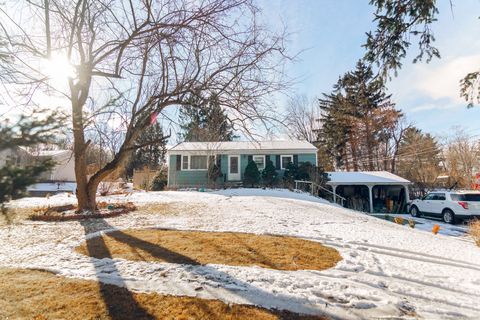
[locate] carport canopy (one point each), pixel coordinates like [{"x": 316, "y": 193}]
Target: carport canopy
[{"x": 366, "y": 178}]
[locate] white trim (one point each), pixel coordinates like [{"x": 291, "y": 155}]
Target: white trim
[
  {"x": 264, "y": 160},
  {"x": 281, "y": 160},
  {"x": 189, "y": 157}
]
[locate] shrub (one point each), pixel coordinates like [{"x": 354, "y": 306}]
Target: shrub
[
  {"x": 269, "y": 174},
  {"x": 474, "y": 231},
  {"x": 251, "y": 175},
  {"x": 290, "y": 174},
  {"x": 160, "y": 181}
]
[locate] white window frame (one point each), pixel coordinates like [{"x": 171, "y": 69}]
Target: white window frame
[
  {"x": 281, "y": 160},
  {"x": 259, "y": 156},
  {"x": 189, "y": 156}
]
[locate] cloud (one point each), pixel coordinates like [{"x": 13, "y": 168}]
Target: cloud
[
  {"x": 443, "y": 80},
  {"x": 431, "y": 106},
  {"x": 422, "y": 87}
]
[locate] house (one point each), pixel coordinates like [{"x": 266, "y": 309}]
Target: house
[
  {"x": 64, "y": 169},
  {"x": 370, "y": 191},
  {"x": 16, "y": 155},
  {"x": 189, "y": 161}
]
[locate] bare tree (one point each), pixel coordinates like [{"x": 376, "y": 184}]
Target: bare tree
[
  {"x": 145, "y": 55},
  {"x": 302, "y": 118},
  {"x": 462, "y": 158}
]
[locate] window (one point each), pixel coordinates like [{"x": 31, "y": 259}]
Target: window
[
  {"x": 473, "y": 197},
  {"x": 234, "y": 165},
  {"x": 285, "y": 160},
  {"x": 184, "y": 162},
  {"x": 439, "y": 196},
  {"x": 429, "y": 196},
  {"x": 260, "y": 161},
  {"x": 198, "y": 162}
]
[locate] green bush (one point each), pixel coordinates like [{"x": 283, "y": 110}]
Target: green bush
[
  {"x": 251, "y": 175},
  {"x": 160, "y": 181},
  {"x": 269, "y": 174}
]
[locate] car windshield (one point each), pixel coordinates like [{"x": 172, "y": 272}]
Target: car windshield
[{"x": 472, "y": 197}]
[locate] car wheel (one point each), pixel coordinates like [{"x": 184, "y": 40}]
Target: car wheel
[
  {"x": 448, "y": 216},
  {"x": 414, "y": 212}
]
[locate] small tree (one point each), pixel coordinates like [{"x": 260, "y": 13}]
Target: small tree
[
  {"x": 290, "y": 174},
  {"x": 251, "y": 175},
  {"x": 304, "y": 170},
  {"x": 214, "y": 172},
  {"x": 269, "y": 174},
  {"x": 160, "y": 180}
]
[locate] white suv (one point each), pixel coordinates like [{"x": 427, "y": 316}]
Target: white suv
[{"x": 450, "y": 205}]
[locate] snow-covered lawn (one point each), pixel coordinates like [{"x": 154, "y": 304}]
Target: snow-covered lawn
[{"x": 387, "y": 270}]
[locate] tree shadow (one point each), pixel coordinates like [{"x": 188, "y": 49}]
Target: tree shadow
[
  {"x": 97, "y": 249},
  {"x": 121, "y": 304}
]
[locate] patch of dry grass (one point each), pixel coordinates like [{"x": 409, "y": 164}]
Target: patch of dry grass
[
  {"x": 474, "y": 230},
  {"x": 15, "y": 215},
  {"x": 195, "y": 247},
  {"x": 33, "y": 294}
]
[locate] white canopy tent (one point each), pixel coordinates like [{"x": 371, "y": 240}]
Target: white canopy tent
[{"x": 370, "y": 179}]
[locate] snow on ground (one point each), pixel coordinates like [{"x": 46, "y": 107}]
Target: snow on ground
[{"x": 387, "y": 271}]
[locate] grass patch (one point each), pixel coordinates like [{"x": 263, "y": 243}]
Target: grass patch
[
  {"x": 40, "y": 295},
  {"x": 195, "y": 247}
]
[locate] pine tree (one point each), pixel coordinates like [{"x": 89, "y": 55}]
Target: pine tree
[
  {"x": 151, "y": 150},
  {"x": 290, "y": 174},
  {"x": 204, "y": 120},
  {"x": 358, "y": 115},
  {"x": 269, "y": 174},
  {"x": 251, "y": 175},
  {"x": 28, "y": 131}
]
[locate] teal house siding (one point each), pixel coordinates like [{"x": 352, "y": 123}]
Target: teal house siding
[{"x": 302, "y": 152}]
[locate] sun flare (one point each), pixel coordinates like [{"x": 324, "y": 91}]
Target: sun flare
[{"x": 58, "y": 69}]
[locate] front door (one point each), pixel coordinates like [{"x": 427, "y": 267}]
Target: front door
[{"x": 233, "y": 168}]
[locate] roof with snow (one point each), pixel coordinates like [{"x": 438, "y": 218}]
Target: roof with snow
[
  {"x": 365, "y": 177},
  {"x": 249, "y": 146}
]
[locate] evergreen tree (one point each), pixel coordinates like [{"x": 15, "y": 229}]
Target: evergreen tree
[
  {"x": 358, "y": 115},
  {"x": 269, "y": 174},
  {"x": 290, "y": 174},
  {"x": 28, "y": 131},
  {"x": 150, "y": 149},
  {"x": 251, "y": 175},
  {"x": 205, "y": 120}
]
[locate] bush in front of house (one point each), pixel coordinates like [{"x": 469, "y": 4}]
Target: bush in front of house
[
  {"x": 160, "y": 181},
  {"x": 269, "y": 174},
  {"x": 290, "y": 174},
  {"x": 251, "y": 176}
]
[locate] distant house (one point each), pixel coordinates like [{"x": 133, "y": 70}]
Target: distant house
[
  {"x": 63, "y": 170},
  {"x": 189, "y": 161}
]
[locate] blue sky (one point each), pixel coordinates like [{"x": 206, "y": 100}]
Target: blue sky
[{"x": 332, "y": 31}]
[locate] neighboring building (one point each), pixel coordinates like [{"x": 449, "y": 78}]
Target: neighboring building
[
  {"x": 371, "y": 191},
  {"x": 188, "y": 161},
  {"x": 15, "y": 155},
  {"x": 64, "y": 169}
]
